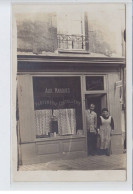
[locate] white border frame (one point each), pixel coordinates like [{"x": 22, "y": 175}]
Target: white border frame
[
  {"x": 5, "y": 54},
  {"x": 107, "y": 175}
]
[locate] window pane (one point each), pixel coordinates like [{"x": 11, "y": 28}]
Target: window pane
[
  {"x": 57, "y": 105},
  {"x": 70, "y": 23},
  {"x": 94, "y": 83},
  {"x": 71, "y": 31}
]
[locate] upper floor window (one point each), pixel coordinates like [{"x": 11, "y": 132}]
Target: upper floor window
[{"x": 71, "y": 33}]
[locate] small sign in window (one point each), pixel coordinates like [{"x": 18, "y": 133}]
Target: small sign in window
[{"x": 94, "y": 83}]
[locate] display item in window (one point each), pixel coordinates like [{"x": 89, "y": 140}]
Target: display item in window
[{"x": 54, "y": 124}]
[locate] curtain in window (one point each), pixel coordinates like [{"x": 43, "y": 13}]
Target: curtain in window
[
  {"x": 66, "y": 121},
  {"x": 43, "y": 121}
]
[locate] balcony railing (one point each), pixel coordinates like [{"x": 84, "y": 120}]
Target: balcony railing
[{"x": 71, "y": 42}]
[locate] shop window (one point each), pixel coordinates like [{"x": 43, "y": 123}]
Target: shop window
[
  {"x": 71, "y": 32},
  {"x": 94, "y": 83},
  {"x": 57, "y": 106}
]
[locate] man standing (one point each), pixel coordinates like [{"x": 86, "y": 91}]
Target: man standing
[{"x": 91, "y": 119}]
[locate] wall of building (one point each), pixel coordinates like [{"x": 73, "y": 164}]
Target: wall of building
[
  {"x": 37, "y": 31},
  {"x": 106, "y": 29}
]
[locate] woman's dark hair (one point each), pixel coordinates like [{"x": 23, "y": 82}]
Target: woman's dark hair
[{"x": 105, "y": 109}]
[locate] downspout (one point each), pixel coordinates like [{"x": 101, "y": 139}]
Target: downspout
[
  {"x": 86, "y": 31},
  {"x": 123, "y": 96}
]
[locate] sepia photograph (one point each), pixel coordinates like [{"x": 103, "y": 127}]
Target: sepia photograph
[{"x": 69, "y": 89}]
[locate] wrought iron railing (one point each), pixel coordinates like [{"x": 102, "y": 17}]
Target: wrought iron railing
[{"x": 71, "y": 41}]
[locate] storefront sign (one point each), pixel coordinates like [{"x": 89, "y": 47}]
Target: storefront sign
[
  {"x": 58, "y": 104},
  {"x": 56, "y": 92}
]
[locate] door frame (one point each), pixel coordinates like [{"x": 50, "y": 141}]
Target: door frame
[{"x": 84, "y": 92}]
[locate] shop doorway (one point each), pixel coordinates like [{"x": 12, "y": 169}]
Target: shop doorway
[{"x": 100, "y": 101}]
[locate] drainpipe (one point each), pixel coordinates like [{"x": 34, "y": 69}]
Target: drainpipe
[
  {"x": 124, "y": 100},
  {"x": 86, "y": 31},
  {"x": 123, "y": 95}
]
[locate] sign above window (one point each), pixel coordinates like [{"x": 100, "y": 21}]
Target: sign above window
[
  {"x": 56, "y": 92},
  {"x": 94, "y": 83}
]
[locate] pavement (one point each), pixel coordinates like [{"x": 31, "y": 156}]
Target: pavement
[{"x": 113, "y": 162}]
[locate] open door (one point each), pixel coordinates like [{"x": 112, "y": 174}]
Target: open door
[
  {"x": 104, "y": 101},
  {"x": 99, "y": 100}
]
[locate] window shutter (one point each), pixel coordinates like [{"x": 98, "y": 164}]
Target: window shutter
[{"x": 26, "y": 108}]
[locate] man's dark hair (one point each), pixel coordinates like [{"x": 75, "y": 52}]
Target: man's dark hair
[{"x": 91, "y": 104}]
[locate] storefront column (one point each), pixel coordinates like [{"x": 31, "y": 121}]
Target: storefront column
[{"x": 115, "y": 111}]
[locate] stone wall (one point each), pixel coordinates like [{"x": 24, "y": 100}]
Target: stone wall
[{"x": 37, "y": 35}]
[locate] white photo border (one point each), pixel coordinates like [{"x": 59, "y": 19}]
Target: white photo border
[{"x": 89, "y": 185}]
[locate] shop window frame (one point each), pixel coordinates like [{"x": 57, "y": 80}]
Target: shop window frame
[{"x": 62, "y": 136}]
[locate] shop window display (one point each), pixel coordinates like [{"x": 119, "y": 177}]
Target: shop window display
[{"x": 57, "y": 106}]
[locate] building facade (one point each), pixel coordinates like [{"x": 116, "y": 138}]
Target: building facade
[{"x": 64, "y": 63}]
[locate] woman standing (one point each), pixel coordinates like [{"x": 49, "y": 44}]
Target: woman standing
[{"x": 105, "y": 127}]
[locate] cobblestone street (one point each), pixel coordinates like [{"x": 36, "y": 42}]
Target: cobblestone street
[{"x": 113, "y": 162}]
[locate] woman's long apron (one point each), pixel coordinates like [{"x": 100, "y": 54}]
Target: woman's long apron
[{"x": 105, "y": 131}]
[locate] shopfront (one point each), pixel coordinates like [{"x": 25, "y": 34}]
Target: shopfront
[{"x": 53, "y": 95}]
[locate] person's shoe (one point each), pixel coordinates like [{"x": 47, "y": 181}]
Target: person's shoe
[
  {"x": 99, "y": 152},
  {"x": 108, "y": 152}
]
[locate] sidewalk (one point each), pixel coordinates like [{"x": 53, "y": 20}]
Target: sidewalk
[{"x": 113, "y": 162}]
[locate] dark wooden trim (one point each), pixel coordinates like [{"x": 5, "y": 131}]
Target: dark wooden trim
[
  {"x": 69, "y": 63},
  {"x": 68, "y": 58},
  {"x": 54, "y": 139}
]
